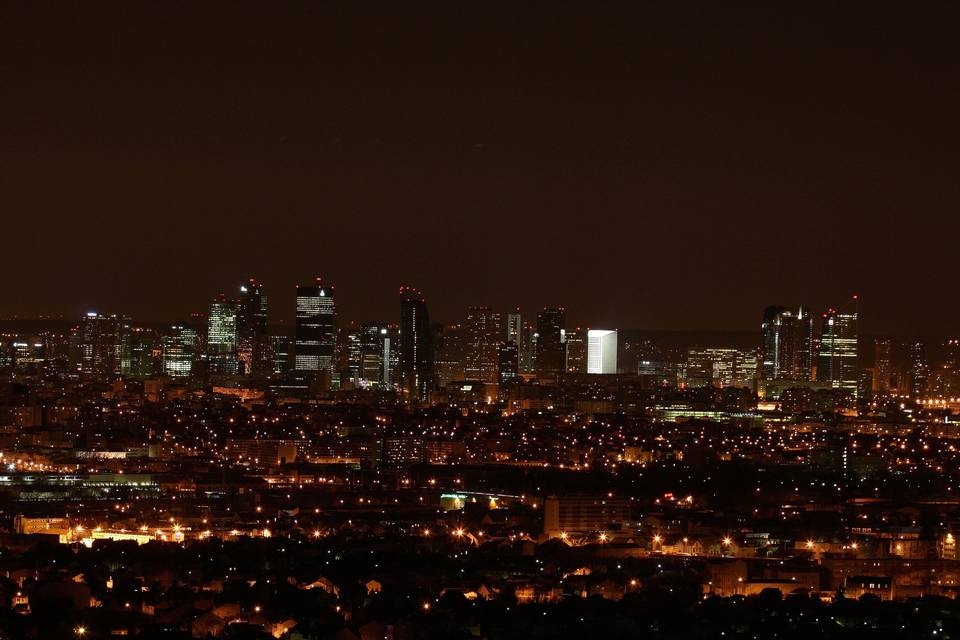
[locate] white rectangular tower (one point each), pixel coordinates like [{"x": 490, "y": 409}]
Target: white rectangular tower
[{"x": 602, "y": 351}]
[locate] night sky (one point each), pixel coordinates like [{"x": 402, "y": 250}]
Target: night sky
[{"x": 652, "y": 168}]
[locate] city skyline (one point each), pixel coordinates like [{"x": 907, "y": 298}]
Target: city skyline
[
  {"x": 342, "y": 321},
  {"x": 285, "y": 317},
  {"x": 282, "y": 311}
]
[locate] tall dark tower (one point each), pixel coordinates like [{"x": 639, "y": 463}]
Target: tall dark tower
[
  {"x": 551, "y": 354},
  {"x": 315, "y": 335},
  {"x": 881, "y": 365},
  {"x": 253, "y": 348},
  {"x": 416, "y": 363}
]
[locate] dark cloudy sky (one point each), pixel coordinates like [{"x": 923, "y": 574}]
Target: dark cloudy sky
[{"x": 652, "y": 167}]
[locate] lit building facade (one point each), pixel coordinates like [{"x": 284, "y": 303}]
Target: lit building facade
[
  {"x": 787, "y": 345},
  {"x": 601, "y": 351},
  {"x": 253, "y": 346},
  {"x": 514, "y": 328},
  {"x": 100, "y": 342},
  {"x": 222, "y": 337},
  {"x": 281, "y": 354},
  {"x": 483, "y": 334},
  {"x": 919, "y": 369},
  {"x": 575, "y": 344},
  {"x": 528, "y": 348},
  {"x": 508, "y": 363},
  {"x": 881, "y": 365},
  {"x": 315, "y": 335},
  {"x": 720, "y": 367},
  {"x": 179, "y": 346},
  {"x": 837, "y": 362}
]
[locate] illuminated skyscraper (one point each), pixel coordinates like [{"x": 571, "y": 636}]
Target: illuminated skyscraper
[
  {"x": 253, "y": 346},
  {"x": 837, "y": 362},
  {"x": 416, "y": 363},
  {"x": 787, "y": 346},
  {"x": 178, "y": 349},
  {"x": 952, "y": 361},
  {"x": 951, "y": 367},
  {"x": 372, "y": 353},
  {"x": 222, "y": 337},
  {"x": 528, "y": 348},
  {"x": 100, "y": 341},
  {"x": 550, "y": 351},
  {"x": 601, "y": 351},
  {"x": 575, "y": 343},
  {"x": 720, "y": 367},
  {"x": 315, "y": 336},
  {"x": 484, "y": 333},
  {"x": 140, "y": 353},
  {"x": 514, "y": 328},
  {"x": 281, "y": 354},
  {"x": 881, "y": 365},
  {"x": 391, "y": 357},
  {"x": 348, "y": 348},
  {"x": 508, "y": 360},
  {"x": 919, "y": 369}
]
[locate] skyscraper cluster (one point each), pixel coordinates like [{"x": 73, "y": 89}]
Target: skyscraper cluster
[
  {"x": 797, "y": 352},
  {"x": 232, "y": 345},
  {"x": 490, "y": 351}
]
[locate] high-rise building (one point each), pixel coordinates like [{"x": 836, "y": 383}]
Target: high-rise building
[
  {"x": 416, "y": 362},
  {"x": 528, "y": 348},
  {"x": 787, "y": 346},
  {"x": 315, "y": 335},
  {"x": 222, "y": 337},
  {"x": 140, "y": 354},
  {"x": 391, "y": 357},
  {"x": 448, "y": 353},
  {"x": 575, "y": 344},
  {"x": 281, "y": 354},
  {"x": 253, "y": 347},
  {"x": 508, "y": 362},
  {"x": 372, "y": 354},
  {"x": 483, "y": 335},
  {"x": 514, "y": 328},
  {"x": 550, "y": 350},
  {"x": 602, "y": 351},
  {"x": 951, "y": 366},
  {"x": 837, "y": 362},
  {"x": 919, "y": 369},
  {"x": 720, "y": 367},
  {"x": 100, "y": 341},
  {"x": 178, "y": 348},
  {"x": 348, "y": 353},
  {"x": 952, "y": 360},
  {"x": 881, "y": 366}
]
